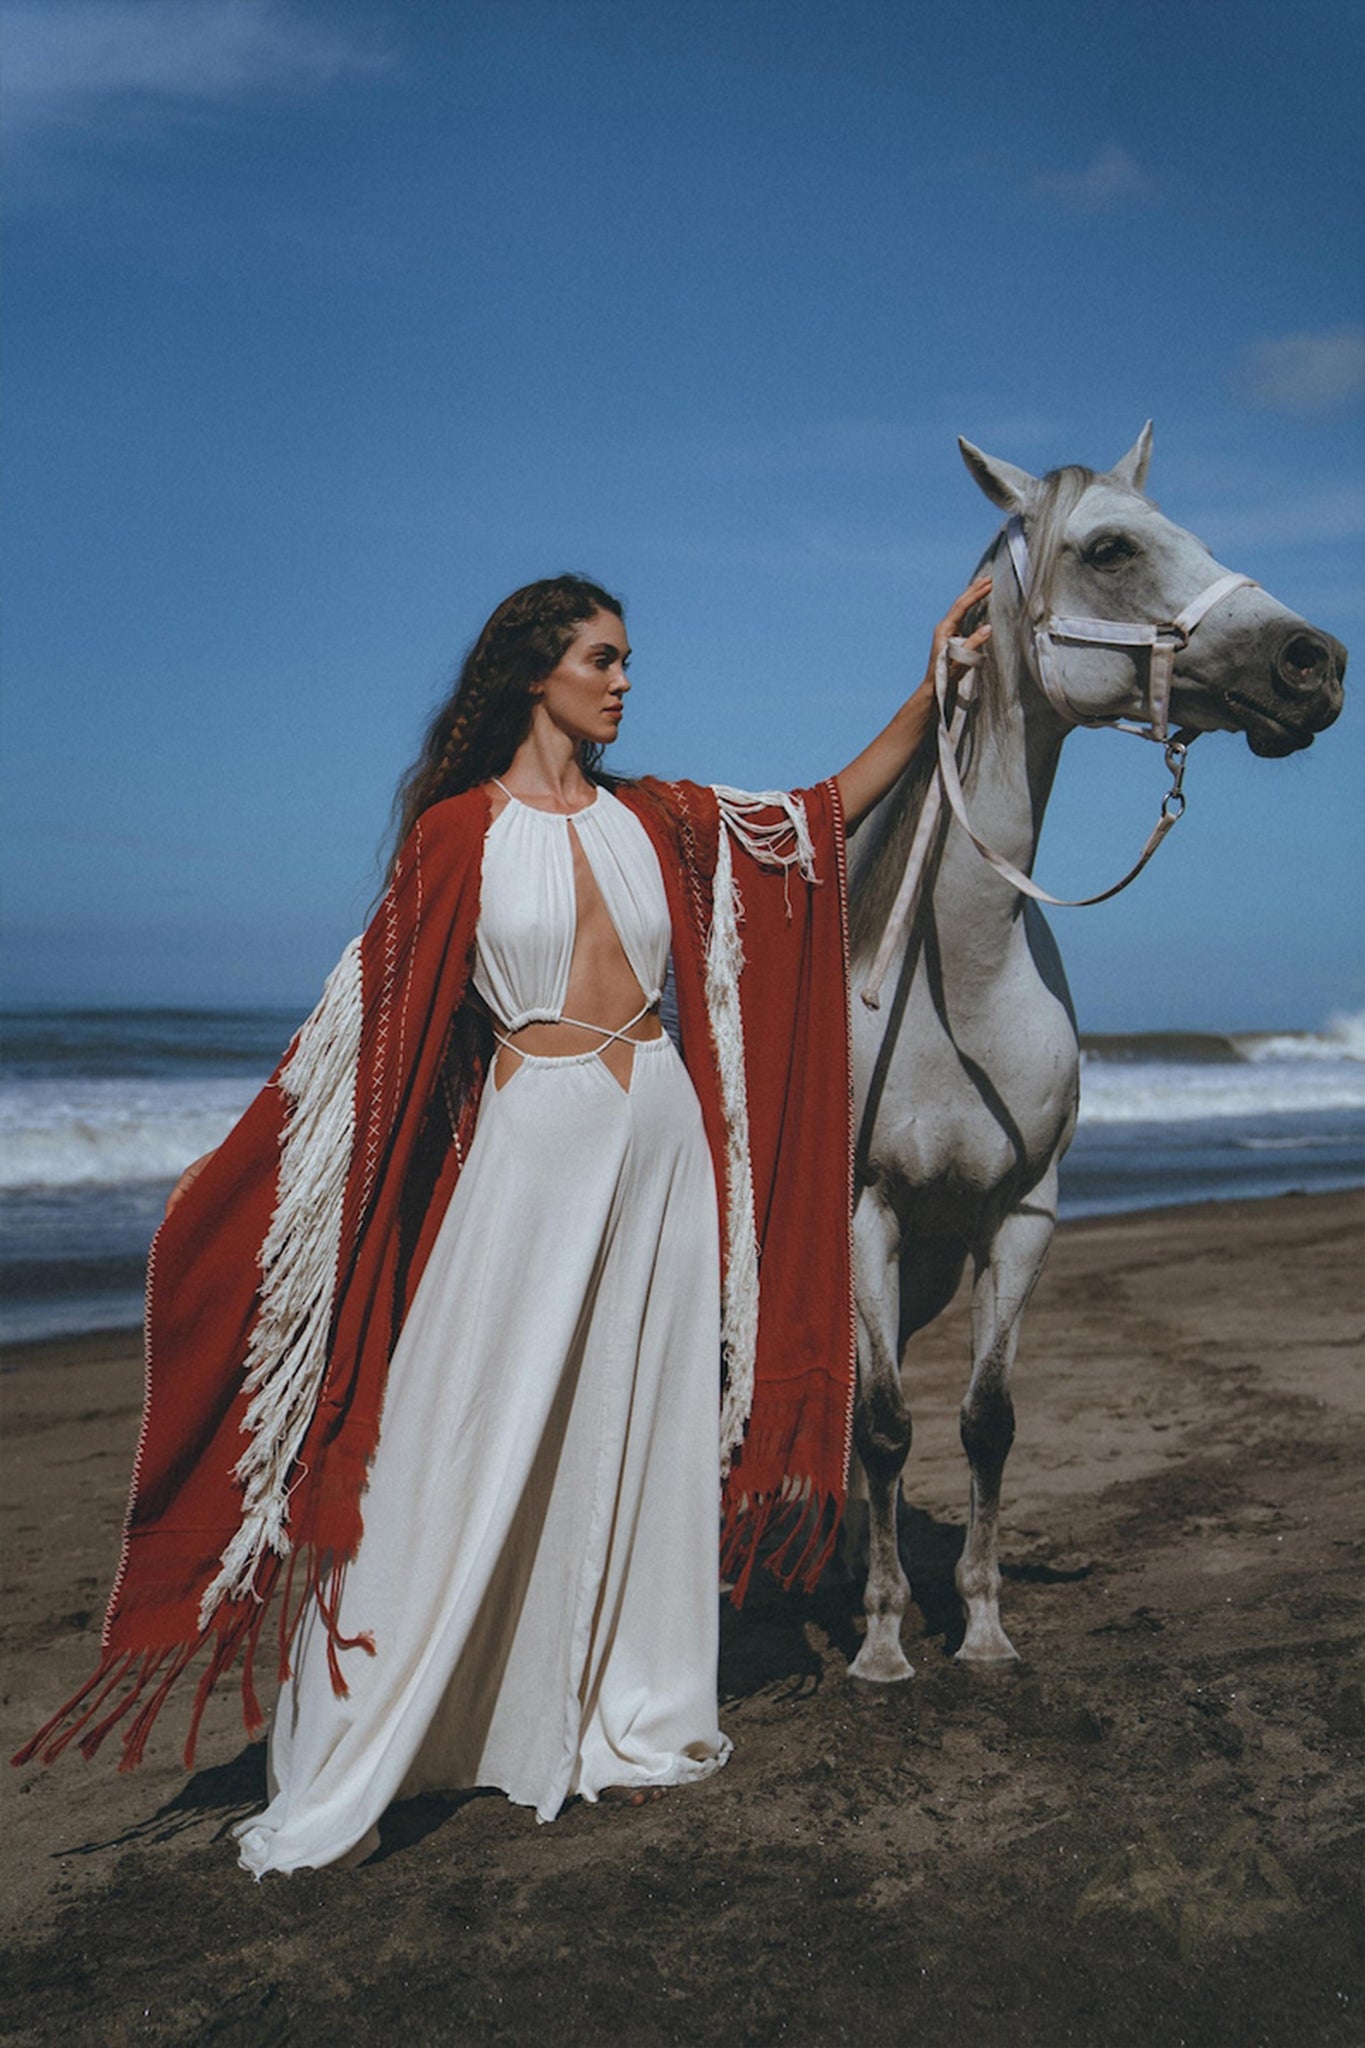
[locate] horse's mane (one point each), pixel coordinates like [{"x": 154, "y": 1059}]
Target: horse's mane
[{"x": 891, "y": 825}]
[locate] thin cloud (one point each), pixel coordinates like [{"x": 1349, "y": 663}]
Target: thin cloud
[
  {"x": 1318, "y": 370},
  {"x": 1110, "y": 179},
  {"x": 76, "y": 66},
  {"x": 1274, "y": 517}
]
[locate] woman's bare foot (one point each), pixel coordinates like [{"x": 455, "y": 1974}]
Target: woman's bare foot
[{"x": 632, "y": 1795}]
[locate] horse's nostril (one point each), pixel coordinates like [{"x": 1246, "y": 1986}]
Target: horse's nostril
[{"x": 1303, "y": 664}]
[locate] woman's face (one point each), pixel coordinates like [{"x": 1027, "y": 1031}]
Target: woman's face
[{"x": 583, "y": 696}]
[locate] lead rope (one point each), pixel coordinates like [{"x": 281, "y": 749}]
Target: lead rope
[
  {"x": 947, "y": 782},
  {"x": 903, "y": 909}
]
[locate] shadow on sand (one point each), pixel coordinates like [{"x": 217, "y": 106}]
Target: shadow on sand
[
  {"x": 771, "y": 1644},
  {"x": 777, "y": 1643},
  {"x": 232, "y": 1790}
]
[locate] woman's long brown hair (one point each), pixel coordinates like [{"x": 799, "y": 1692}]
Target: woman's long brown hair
[{"x": 487, "y": 715}]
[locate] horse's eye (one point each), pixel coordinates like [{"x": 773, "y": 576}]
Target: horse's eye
[{"x": 1107, "y": 550}]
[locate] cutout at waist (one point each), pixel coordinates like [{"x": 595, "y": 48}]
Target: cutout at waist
[
  {"x": 562, "y": 1040},
  {"x": 561, "y": 1035}
]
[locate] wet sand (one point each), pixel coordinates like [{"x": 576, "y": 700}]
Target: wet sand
[{"x": 1150, "y": 1831}]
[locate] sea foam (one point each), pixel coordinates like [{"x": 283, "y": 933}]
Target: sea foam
[
  {"x": 1247, "y": 1074},
  {"x": 1156, "y": 1094},
  {"x": 1341, "y": 1038},
  {"x": 70, "y": 1130},
  {"x": 72, "y": 1133}
]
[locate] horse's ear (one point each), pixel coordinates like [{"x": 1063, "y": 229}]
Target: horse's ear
[
  {"x": 1004, "y": 485},
  {"x": 1133, "y": 468}
]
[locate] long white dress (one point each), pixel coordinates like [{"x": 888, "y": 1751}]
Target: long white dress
[{"x": 538, "y": 1569}]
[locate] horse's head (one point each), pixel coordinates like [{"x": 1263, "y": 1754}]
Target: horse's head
[{"x": 1092, "y": 551}]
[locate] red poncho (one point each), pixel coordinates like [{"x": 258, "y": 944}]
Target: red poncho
[{"x": 278, "y": 1285}]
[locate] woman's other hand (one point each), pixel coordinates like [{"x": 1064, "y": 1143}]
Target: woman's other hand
[{"x": 187, "y": 1180}]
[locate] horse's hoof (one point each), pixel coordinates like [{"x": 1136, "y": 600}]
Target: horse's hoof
[
  {"x": 986, "y": 1649},
  {"x": 881, "y": 1664}
]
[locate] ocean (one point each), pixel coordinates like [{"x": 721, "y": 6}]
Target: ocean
[{"x": 101, "y": 1109}]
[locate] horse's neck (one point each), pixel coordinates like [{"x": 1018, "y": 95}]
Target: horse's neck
[{"x": 1012, "y": 756}]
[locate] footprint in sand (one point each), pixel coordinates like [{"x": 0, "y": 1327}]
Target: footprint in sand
[{"x": 1237, "y": 1893}]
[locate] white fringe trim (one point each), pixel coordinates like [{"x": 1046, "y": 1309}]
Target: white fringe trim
[
  {"x": 764, "y": 843},
  {"x": 287, "y": 1356},
  {"x": 739, "y": 1303},
  {"x": 783, "y": 842}
]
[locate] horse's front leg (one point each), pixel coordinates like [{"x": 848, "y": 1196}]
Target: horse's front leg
[
  {"x": 881, "y": 1434},
  {"x": 1005, "y": 1276}
]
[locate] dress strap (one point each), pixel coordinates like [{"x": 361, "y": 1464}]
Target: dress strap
[
  {"x": 498, "y": 784},
  {"x": 607, "y": 1037}
]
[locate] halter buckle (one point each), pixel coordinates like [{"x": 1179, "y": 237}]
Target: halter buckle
[{"x": 1174, "y": 801}]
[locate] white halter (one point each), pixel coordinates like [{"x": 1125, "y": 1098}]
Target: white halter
[{"x": 1163, "y": 641}]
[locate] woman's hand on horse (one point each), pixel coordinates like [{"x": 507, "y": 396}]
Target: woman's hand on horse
[
  {"x": 949, "y": 628},
  {"x": 187, "y": 1179}
]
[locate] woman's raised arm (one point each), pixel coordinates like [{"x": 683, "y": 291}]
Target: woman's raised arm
[{"x": 867, "y": 778}]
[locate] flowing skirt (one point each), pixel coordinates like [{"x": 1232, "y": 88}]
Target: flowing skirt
[{"x": 539, "y": 1565}]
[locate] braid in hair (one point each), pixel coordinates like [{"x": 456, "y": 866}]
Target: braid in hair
[{"x": 479, "y": 727}]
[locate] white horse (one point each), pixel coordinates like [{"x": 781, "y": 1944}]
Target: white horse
[{"x": 967, "y": 1075}]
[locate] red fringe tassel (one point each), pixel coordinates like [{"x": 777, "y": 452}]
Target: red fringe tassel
[
  {"x": 328, "y": 1603},
  {"x": 286, "y": 1626},
  {"x": 143, "y": 1679},
  {"x": 805, "y": 1524},
  {"x": 801, "y": 1527},
  {"x": 48, "y": 1742}
]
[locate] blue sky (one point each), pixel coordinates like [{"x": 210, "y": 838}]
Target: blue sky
[{"x": 326, "y": 325}]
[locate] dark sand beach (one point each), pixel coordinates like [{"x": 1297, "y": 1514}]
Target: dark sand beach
[{"x": 1151, "y": 1831}]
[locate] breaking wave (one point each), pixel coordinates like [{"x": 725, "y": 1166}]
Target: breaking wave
[
  {"x": 1181, "y": 1077},
  {"x": 84, "y": 1133},
  {"x": 1341, "y": 1038}
]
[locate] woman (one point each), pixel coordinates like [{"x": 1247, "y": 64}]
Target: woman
[{"x": 512, "y": 1582}]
